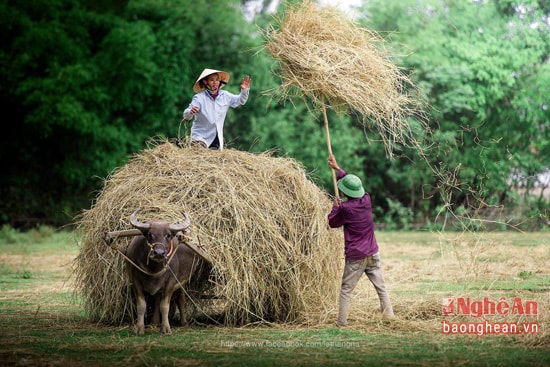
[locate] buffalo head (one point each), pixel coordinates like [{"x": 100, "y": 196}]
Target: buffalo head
[{"x": 159, "y": 234}]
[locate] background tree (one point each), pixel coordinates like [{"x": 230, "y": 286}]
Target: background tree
[
  {"x": 476, "y": 63},
  {"x": 87, "y": 83}
]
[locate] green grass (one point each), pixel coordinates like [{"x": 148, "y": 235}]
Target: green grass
[
  {"x": 66, "y": 336},
  {"x": 49, "y": 338},
  {"x": 537, "y": 283},
  {"x": 43, "y": 323}
]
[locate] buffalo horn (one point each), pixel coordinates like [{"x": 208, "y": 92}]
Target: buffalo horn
[
  {"x": 176, "y": 227},
  {"x": 137, "y": 224}
]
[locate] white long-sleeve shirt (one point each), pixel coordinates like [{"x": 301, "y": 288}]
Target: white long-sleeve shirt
[{"x": 210, "y": 119}]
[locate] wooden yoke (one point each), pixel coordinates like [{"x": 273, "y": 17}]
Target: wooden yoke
[{"x": 111, "y": 237}]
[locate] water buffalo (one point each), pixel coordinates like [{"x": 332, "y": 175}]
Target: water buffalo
[{"x": 159, "y": 265}]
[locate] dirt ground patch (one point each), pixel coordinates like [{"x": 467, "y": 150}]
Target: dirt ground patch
[{"x": 420, "y": 270}]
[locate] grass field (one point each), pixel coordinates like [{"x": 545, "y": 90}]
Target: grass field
[{"x": 43, "y": 323}]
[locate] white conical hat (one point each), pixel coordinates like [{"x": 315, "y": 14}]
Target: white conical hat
[{"x": 224, "y": 78}]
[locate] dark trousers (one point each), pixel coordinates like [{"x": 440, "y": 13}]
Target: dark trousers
[{"x": 215, "y": 144}]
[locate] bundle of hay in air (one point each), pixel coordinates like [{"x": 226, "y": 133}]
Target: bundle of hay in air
[
  {"x": 327, "y": 56},
  {"x": 260, "y": 218}
]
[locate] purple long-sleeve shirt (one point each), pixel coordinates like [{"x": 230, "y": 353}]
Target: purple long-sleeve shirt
[{"x": 356, "y": 217}]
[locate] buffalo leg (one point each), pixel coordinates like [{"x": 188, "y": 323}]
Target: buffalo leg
[
  {"x": 164, "y": 311},
  {"x": 156, "y": 312},
  {"x": 141, "y": 304},
  {"x": 181, "y": 300}
]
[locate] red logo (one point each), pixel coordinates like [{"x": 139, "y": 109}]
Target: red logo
[{"x": 479, "y": 308}]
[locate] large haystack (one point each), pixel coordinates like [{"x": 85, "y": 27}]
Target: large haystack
[{"x": 259, "y": 217}]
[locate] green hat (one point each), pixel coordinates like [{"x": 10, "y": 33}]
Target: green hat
[{"x": 351, "y": 186}]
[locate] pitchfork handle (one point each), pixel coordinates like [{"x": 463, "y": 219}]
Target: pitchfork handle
[{"x": 327, "y": 133}]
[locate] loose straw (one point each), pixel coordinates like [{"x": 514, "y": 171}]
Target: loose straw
[{"x": 325, "y": 55}]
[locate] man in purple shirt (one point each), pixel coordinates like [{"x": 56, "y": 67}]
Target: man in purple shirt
[{"x": 354, "y": 213}]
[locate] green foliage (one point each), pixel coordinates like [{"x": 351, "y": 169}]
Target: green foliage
[
  {"x": 477, "y": 69},
  {"x": 88, "y": 89},
  {"x": 9, "y": 234},
  {"x": 27, "y": 274},
  {"x": 87, "y": 83},
  {"x": 525, "y": 274},
  {"x": 398, "y": 216},
  {"x": 38, "y": 234}
]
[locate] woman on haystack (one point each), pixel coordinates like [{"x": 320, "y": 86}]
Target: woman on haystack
[
  {"x": 209, "y": 107},
  {"x": 354, "y": 213}
]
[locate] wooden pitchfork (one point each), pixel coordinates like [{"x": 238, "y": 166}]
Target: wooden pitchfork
[{"x": 327, "y": 133}]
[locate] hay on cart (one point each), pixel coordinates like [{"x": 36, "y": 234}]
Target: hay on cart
[{"x": 261, "y": 218}]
